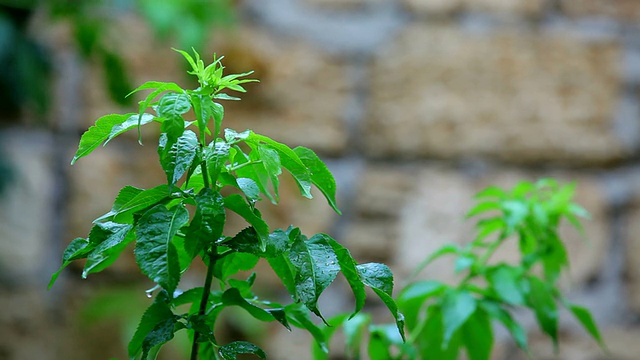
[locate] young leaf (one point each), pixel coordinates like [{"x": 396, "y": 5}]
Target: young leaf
[
  {"x": 316, "y": 267},
  {"x": 321, "y": 177},
  {"x": 232, "y": 350},
  {"x": 173, "y": 104},
  {"x": 177, "y": 157},
  {"x": 155, "y": 253},
  {"x": 98, "y": 134},
  {"x": 457, "y": 307}
]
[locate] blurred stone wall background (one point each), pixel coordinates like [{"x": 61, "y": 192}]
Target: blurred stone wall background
[{"x": 414, "y": 104}]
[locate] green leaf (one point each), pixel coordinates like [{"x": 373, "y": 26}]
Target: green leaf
[
  {"x": 517, "y": 332},
  {"x": 234, "y": 262},
  {"x": 253, "y": 167},
  {"x": 298, "y": 316},
  {"x": 447, "y": 249},
  {"x": 176, "y": 158},
  {"x": 477, "y": 336},
  {"x": 232, "y": 297},
  {"x": 482, "y": 208},
  {"x": 316, "y": 267},
  {"x": 283, "y": 268},
  {"x": 431, "y": 343},
  {"x": 110, "y": 239},
  {"x": 205, "y": 109},
  {"x": 583, "y": 315},
  {"x": 348, "y": 267},
  {"x": 155, "y": 254},
  {"x": 354, "y": 329},
  {"x": 290, "y": 160},
  {"x": 541, "y": 300},
  {"x": 554, "y": 258},
  {"x": 321, "y": 177},
  {"x": 378, "y": 348},
  {"x": 457, "y": 307},
  {"x": 505, "y": 281},
  {"x": 129, "y": 124},
  {"x": 130, "y": 200},
  {"x": 159, "y": 85},
  {"x": 77, "y": 249},
  {"x": 380, "y": 279},
  {"x": 216, "y": 155},
  {"x": 412, "y": 298},
  {"x": 161, "y": 333},
  {"x": 248, "y": 241},
  {"x": 249, "y": 188},
  {"x": 208, "y": 222},
  {"x": 98, "y": 133},
  {"x": 491, "y": 192},
  {"x": 238, "y": 205},
  {"x": 271, "y": 164},
  {"x": 232, "y": 350},
  {"x": 173, "y": 104},
  {"x": 376, "y": 276},
  {"x": 156, "y": 314}
]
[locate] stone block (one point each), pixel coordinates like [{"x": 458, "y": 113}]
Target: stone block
[
  {"x": 623, "y": 10},
  {"x": 440, "y": 92},
  {"x": 26, "y": 206},
  {"x": 498, "y": 7},
  {"x": 632, "y": 254}
]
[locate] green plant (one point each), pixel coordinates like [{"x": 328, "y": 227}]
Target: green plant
[
  {"x": 443, "y": 319},
  {"x": 175, "y": 223}
]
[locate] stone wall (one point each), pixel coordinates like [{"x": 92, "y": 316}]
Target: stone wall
[{"x": 415, "y": 105}]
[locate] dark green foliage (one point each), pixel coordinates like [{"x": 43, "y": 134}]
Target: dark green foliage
[
  {"x": 444, "y": 320},
  {"x": 177, "y": 223}
]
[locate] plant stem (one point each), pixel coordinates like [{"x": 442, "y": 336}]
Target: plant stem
[
  {"x": 206, "y": 291},
  {"x": 213, "y": 255}
]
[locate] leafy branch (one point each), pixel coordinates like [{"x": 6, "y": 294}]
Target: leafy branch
[
  {"x": 174, "y": 224},
  {"x": 442, "y": 319}
]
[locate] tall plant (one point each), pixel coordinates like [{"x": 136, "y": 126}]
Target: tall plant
[
  {"x": 444, "y": 320},
  {"x": 174, "y": 224}
]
